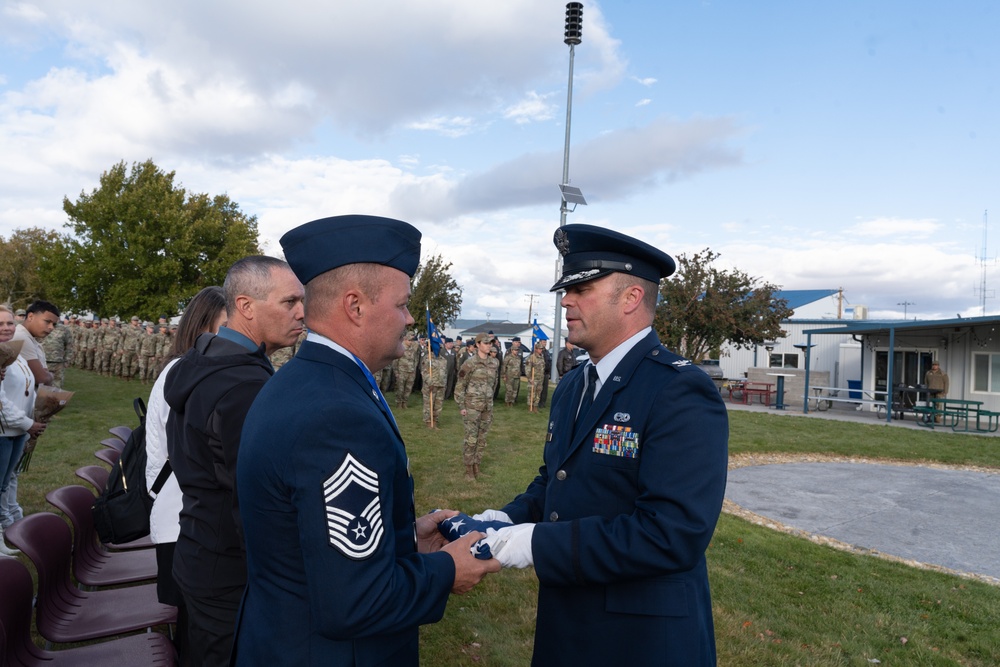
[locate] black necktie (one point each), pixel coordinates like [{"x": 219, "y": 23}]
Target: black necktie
[{"x": 588, "y": 391}]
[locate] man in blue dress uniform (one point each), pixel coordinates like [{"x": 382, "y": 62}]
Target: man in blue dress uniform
[
  {"x": 340, "y": 569},
  {"x": 618, "y": 519}
]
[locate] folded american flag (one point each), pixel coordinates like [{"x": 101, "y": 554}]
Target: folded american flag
[{"x": 461, "y": 524}]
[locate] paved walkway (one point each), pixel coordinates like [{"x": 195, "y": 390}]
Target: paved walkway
[{"x": 934, "y": 516}]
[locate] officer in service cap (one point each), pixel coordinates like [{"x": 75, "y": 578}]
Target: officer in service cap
[
  {"x": 326, "y": 497},
  {"x": 635, "y": 459}
]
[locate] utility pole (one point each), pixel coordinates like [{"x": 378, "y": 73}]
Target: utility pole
[
  {"x": 531, "y": 303},
  {"x": 572, "y": 37},
  {"x": 904, "y": 304}
]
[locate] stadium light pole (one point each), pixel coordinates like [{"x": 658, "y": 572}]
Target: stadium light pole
[{"x": 572, "y": 36}]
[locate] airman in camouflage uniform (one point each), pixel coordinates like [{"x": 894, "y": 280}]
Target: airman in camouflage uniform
[
  {"x": 109, "y": 345},
  {"x": 510, "y": 372},
  {"x": 534, "y": 370},
  {"x": 474, "y": 395},
  {"x": 434, "y": 373},
  {"x": 406, "y": 370},
  {"x": 130, "y": 348},
  {"x": 147, "y": 354},
  {"x": 90, "y": 337},
  {"x": 163, "y": 341},
  {"x": 58, "y": 347}
]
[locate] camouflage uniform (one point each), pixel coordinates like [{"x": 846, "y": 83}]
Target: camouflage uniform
[
  {"x": 77, "y": 329},
  {"x": 162, "y": 350},
  {"x": 109, "y": 345},
  {"x": 534, "y": 370},
  {"x": 406, "y": 370},
  {"x": 130, "y": 346},
  {"x": 147, "y": 355},
  {"x": 474, "y": 394},
  {"x": 90, "y": 341},
  {"x": 434, "y": 372},
  {"x": 510, "y": 371},
  {"x": 58, "y": 347},
  {"x": 285, "y": 354}
]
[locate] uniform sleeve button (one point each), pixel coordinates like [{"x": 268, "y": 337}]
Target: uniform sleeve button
[
  {"x": 561, "y": 475},
  {"x": 554, "y": 516}
]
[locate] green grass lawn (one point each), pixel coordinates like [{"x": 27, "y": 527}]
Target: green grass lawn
[{"x": 778, "y": 599}]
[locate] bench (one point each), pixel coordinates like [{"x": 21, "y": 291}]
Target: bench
[{"x": 826, "y": 401}]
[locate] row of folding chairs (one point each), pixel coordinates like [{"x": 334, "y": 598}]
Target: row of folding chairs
[{"x": 108, "y": 600}]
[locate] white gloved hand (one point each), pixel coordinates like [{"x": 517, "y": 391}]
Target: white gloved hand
[
  {"x": 492, "y": 515},
  {"x": 512, "y": 545}
]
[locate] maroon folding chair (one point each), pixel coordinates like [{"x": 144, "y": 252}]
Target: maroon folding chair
[
  {"x": 108, "y": 455},
  {"x": 65, "y": 613},
  {"x": 93, "y": 565},
  {"x": 96, "y": 476},
  {"x": 18, "y": 650},
  {"x": 113, "y": 443},
  {"x": 120, "y": 432}
]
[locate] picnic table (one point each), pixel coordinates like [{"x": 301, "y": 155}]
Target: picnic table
[
  {"x": 955, "y": 411},
  {"x": 743, "y": 391}
]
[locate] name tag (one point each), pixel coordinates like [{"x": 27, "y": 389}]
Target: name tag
[{"x": 613, "y": 440}]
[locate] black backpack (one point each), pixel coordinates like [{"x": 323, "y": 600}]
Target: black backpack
[{"x": 121, "y": 512}]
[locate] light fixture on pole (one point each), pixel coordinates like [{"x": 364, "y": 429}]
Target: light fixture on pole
[{"x": 570, "y": 195}]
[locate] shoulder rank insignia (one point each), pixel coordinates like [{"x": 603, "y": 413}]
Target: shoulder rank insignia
[
  {"x": 682, "y": 362},
  {"x": 353, "y": 510}
]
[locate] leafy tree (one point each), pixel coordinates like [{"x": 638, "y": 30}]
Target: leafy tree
[
  {"x": 432, "y": 285},
  {"x": 20, "y": 259},
  {"x": 141, "y": 245},
  {"x": 703, "y": 307}
]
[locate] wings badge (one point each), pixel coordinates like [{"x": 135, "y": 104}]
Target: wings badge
[{"x": 353, "y": 510}]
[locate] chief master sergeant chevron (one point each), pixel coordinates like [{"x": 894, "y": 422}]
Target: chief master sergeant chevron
[
  {"x": 340, "y": 569},
  {"x": 618, "y": 519}
]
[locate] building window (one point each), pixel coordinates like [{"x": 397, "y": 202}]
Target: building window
[
  {"x": 779, "y": 360},
  {"x": 986, "y": 372}
]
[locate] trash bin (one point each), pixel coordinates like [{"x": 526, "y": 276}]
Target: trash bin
[{"x": 854, "y": 384}]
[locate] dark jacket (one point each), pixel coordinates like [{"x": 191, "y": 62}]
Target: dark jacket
[
  {"x": 626, "y": 507},
  {"x": 335, "y": 577},
  {"x": 209, "y": 392}
]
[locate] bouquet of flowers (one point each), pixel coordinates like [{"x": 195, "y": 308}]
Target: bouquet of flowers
[
  {"x": 48, "y": 402},
  {"x": 9, "y": 352}
]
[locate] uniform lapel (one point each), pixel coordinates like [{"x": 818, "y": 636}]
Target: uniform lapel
[{"x": 618, "y": 380}]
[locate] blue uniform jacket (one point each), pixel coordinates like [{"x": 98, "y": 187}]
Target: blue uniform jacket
[
  {"x": 625, "y": 511},
  {"x": 321, "y": 470}
]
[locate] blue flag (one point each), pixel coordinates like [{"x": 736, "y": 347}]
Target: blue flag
[
  {"x": 432, "y": 333},
  {"x": 537, "y": 334}
]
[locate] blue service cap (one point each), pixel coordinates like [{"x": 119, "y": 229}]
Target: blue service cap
[
  {"x": 322, "y": 245},
  {"x": 591, "y": 252}
]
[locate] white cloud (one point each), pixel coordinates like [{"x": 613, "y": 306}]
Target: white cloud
[
  {"x": 645, "y": 81},
  {"x": 532, "y": 108},
  {"x": 457, "y": 126},
  {"x": 895, "y": 228},
  {"x": 644, "y": 102}
]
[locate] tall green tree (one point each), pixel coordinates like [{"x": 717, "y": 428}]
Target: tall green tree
[
  {"x": 433, "y": 286},
  {"x": 141, "y": 245},
  {"x": 703, "y": 307},
  {"x": 21, "y": 257}
]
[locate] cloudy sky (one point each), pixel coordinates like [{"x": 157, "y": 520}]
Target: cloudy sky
[{"x": 851, "y": 144}]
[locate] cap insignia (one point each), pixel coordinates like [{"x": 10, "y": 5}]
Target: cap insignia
[{"x": 561, "y": 240}]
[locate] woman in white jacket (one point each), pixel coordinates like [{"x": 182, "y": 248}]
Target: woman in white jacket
[
  {"x": 205, "y": 312},
  {"x": 17, "y": 409}
]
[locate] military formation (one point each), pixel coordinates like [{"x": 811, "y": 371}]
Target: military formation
[{"x": 130, "y": 351}]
